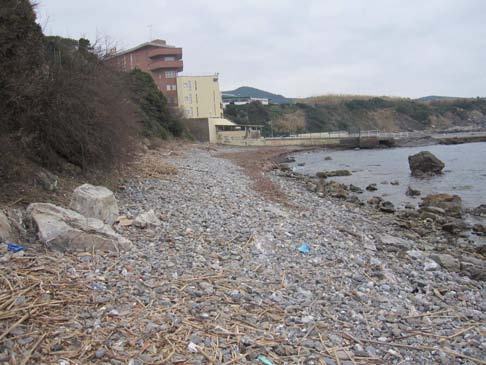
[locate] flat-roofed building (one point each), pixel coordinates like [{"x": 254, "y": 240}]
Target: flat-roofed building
[
  {"x": 241, "y": 100},
  {"x": 161, "y": 60},
  {"x": 199, "y": 96}
]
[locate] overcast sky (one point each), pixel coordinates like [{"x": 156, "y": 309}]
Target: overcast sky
[{"x": 301, "y": 47}]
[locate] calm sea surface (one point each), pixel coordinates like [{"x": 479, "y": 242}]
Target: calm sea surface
[{"x": 464, "y": 172}]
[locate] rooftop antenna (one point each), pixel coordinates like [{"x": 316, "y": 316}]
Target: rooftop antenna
[{"x": 150, "y": 28}]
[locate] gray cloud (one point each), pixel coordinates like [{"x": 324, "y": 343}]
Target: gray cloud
[{"x": 302, "y": 48}]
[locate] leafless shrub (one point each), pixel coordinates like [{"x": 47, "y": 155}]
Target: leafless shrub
[
  {"x": 290, "y": 122},
  {"x": 58, "y": 101}
]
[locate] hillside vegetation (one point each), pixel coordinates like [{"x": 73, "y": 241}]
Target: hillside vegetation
[
  {"x": 357, "y": 112},
  {"x": 60, "y": 105},
  {"x": 252, "y": 92}
]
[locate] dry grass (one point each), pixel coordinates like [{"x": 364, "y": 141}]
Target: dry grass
[
  {"x": 338, "y": 99},
  {"x": 20, "y": 186}
]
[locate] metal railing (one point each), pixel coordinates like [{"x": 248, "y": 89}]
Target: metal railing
[{"x": 379, "y": 134}]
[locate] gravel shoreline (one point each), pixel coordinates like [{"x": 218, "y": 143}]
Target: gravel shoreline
[
  {"x": 221, "y": 280},
  {"x": 345, "y": 301}
]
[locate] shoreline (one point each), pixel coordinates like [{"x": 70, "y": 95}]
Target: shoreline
[
  {"x": 220, "y": 278},
  {"x": 375, "y": 167}
]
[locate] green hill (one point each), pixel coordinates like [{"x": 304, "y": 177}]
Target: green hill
[
  {"x": 357, "y": 112},
  {"x": 436, "y": 97},
  {"x": 257, "y": 93}
]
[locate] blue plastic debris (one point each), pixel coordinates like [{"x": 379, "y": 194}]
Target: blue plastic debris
[
  {"x": 305, "y": 248},
  {"x": 264, "y": 360},
  {"x": 14, "y": 248}
]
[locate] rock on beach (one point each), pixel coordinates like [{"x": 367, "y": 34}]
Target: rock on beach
[
  {"x": 221, "y": 277},
  {"x": 95, "y": 202},
  {"x": 425, "y": 163},
  {"x": 5, "y": 228},
  {"x": 65, "y": 229}
]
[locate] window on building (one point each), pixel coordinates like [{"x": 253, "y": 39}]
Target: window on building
[
  {"x": 169, "y": 58},
  {"x": 189, "y": 111},
  {"x": 174, "y": 87},
  {"x": 188, "y": 99},
  {"x": 167, "y": 87},
  {"x": 170, "y": 74},
  {"x": 188, "y": 85}
]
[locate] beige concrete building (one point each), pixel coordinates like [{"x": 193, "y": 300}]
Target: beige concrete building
[
  {"x": 199, "y": 96},
  {"x": 200, "y": 99}
]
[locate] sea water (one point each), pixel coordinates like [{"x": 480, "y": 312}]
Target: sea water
[{"x": 464, "y": 173}]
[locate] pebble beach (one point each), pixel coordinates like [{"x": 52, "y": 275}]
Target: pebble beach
[{"x": 220, "y": 277}]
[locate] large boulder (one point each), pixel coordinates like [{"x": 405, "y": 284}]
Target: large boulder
[
  {"x": 425, "y": 163},
  {"x": 451, "y": 204},
  {"x": 5, "y": 228},
  {"x": 95, "y": 202},
  {"x": 66, "y": 229}
]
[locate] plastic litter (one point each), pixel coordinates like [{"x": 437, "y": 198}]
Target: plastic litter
[
  {"x": 305, "y": 248},
  {"x": 14, "y": 248},
  {"x": 192, "y": 347},
  {"x": 265, "y": 361},
  {"x": 98, "y": 287}
]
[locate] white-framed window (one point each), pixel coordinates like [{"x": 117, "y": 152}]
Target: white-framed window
[
  {"x": 174, "y": 87},
  {"x": 170, "y": 74},
  {"x": 189, "y": 111},
  {"x": 188, "y": 85},
  {"x": 169, "y": 58},
  {"x": 188, "y": 99},
  {"x": 167, "y": 87}
]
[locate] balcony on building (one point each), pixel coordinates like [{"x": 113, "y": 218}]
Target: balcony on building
[
  {"x": 167, "y": 65},
  {"x": 157, "y": 53}
]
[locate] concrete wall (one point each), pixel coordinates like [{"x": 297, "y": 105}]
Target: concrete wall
[
  {"x": 199, "y": 128},
  {"x": 237, "y": 138},
  {"x": 204, "y": 129},
  {"x": 212, "y": 122},
  {"x": 199, "y": 96}
]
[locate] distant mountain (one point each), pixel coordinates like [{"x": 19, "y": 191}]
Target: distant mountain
[
  {"x": 257, "y": 93},
  {"x": 436, "y": 97}
]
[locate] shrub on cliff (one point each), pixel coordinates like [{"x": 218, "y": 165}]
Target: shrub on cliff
[
  {"x": 152, "y": 109},
  {"x": 21, "y": 63},
  {"x": 58, "y": 101}
]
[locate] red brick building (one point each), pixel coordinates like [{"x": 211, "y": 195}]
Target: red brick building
[{"x": 159, "y": 59}]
